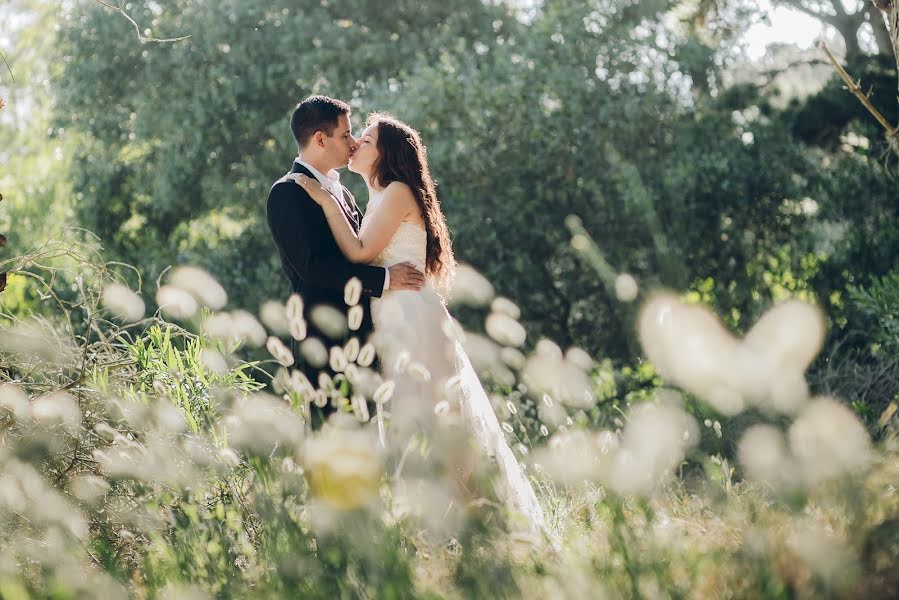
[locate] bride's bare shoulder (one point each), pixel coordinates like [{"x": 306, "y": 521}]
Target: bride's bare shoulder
[{"x": 399, "y": 192}]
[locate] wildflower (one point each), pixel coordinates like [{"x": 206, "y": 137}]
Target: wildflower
[
  {"x": 297, "y": 329},
  {"x": 505, "y": 330},
  {"x": 418, "y": 372},
  {"x": 314, "y": 352},
  {"x": 213, "y": 361},
  {"x": 260, "y": 422},
  {"x": 366, "y": 355},
  {"x": 626, "y": 288},
  {"x": 229, "y": 457},
  {"x": 329, "y": 320},
  {"x": 354, "y": 317},
  {"x": 58, "y": 408},
  {"x": 828, "y": 440},
  {"x": 351, "y": 350},
  {"x": 511, "y": 407},
  {"x": 343, "y": 468},
  {"x": 470, "y": 288},
  {"x": 360, "y": 408},
  {"x": 14, "y": 401},
  {"x": 89, "y": 488},
  {"x": 123, "y": 303},
  {"x": 338, "y": 361},
  {"x": 352, "y": 291},
  {"x": 248, "y": 328},
  {"x": 201, "y": 285},
  {"x": 279, "y": 351},
  {"x": 505, "y": 306},
  {"x": 273, "y": 315},
  {"x": 176, "y": 302},
  {"x": 763, "y": 453},
  {"x": 402, "y": 362},
  {"x": 294, "y": 308},
  {"x": 384, "y": 392},
  {"x": 513, "y": 357}
]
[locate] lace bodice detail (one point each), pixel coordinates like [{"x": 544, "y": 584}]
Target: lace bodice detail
[{"x": 408, "y": 244}]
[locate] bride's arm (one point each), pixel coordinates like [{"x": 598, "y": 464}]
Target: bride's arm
[{"x": 396, "y": 204}]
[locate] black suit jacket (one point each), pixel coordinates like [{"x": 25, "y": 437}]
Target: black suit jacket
[{"x": 312, "y": 261}]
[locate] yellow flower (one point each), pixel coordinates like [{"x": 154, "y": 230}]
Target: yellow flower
[{"x": 343, "y": 468}]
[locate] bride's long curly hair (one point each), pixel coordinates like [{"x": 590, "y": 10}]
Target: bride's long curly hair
[{"x": 402, "y": 157}]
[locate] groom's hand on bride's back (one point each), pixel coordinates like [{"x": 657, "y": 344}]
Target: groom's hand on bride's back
[{"x": 404, "y": 276}]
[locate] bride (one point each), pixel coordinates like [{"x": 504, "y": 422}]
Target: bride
[{"x": 413, "y": 331}]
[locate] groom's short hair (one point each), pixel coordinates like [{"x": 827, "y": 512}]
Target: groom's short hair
[{"x": 316, "y": 113}]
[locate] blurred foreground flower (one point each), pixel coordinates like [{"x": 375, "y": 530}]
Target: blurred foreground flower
[
  {"x": 652, "y": 445},
  {"x": 470, "y": 288},
  {"x": 261, "y": 422},
  {"x": 343, "y": 467},
  {"x": 694, "y": 350},
  {"x": 123, "y": 303},
  {"x": 201, "y": 285}
]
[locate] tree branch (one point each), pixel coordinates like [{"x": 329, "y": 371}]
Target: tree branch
[
  {"x": 7, "y": 67},
  {"x": 140, "y": 36},
  {"x": 855, "y": 88},
  {"x": 838, "y": 7}
]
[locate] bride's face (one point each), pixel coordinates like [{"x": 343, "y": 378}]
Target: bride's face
[{"x": 366, "y": 153}]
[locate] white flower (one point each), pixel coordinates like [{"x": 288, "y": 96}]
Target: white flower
[
  {"x": 314, "y": 352},
  {"x": 763, "y": 453},
  {"x": 201, "y": 285},
  {"x": 626, "y": 288},
  {"x": 14, "y": 400},
  {"x": 352, "y": 292},
  {"x": 351, "y": 350},
  {"x": 338, "y": 361},
  {"x": 175, "y": 302},
  {"x": 652, "y": 445},
  {"x": 89, "y": 488},
  {"x": 354, "y": 317},
  {"x": 418, "y": 372},
  {"x": 294, "y": 308},
  {"x": 579, "y": 358},
  {"x": 470, "y": 288},
  {"x": 58, "y": 408},
  {"x": 213, "y": 361},
  {"x": 506, "y": 307},
  {"x": 513, "y": 358},
  {"x": 366, "y": 355},
  {"x": 260, "y": 422},
  {"x": 123, "y": 303},
  {"x": 279, "y": 351},
  {"x": 247, "y": 327},
  {"x": 229, "y": 457},
  {"x": 505, "y": 330},
  {"x": 329, "y": 320},
  {"x": 828, "y": 440},
  {"x": 274, "y": 316},
  {"x": 384, "y": 392}
]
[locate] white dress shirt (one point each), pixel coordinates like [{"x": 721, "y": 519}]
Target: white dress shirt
[{"x": 331, "y": 182}]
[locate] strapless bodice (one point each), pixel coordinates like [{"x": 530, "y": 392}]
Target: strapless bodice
[{"x": 408, "y": 244}]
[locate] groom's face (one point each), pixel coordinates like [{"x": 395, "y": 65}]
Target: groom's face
[{"x": 341, "y": 144}]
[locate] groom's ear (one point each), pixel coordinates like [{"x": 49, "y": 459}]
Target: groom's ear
[{"x": 318, "y": 138}]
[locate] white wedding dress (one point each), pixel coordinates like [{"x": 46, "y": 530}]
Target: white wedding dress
[{"x": 422, "y": 355}]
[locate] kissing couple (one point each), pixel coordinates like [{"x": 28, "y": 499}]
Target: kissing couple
[{"x": 393, "y": 265}]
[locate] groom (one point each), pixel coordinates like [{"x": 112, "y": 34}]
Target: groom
[{"x": 312, "y": 261}]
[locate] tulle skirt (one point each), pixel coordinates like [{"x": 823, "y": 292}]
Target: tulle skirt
[{"x": 421, "y": 353}]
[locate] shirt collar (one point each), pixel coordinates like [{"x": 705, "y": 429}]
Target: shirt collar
[{"x": 330, "y": 181}]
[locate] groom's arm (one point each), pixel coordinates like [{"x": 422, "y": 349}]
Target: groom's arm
[{"x": 290, "y": 217}]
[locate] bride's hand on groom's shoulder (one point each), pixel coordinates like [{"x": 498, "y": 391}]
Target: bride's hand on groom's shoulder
[{"x": 312, "y": 187}]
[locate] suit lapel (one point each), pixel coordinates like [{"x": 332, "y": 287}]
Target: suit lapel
[{"x": 351, "y": 212}]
